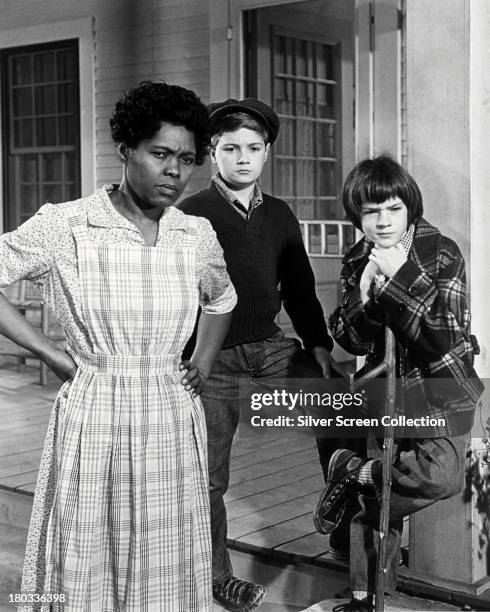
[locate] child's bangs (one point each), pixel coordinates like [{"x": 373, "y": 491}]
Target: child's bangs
[{"x": 377, "y": 188}]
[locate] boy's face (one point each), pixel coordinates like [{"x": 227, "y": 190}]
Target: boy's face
[
  {"x": 385, "y": 223},
  {"x": 240, "y": 157}
]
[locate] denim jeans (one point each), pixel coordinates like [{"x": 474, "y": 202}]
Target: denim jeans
[
  {"x": 423, "y": 471},
  {"x": 277, "y": 356}
]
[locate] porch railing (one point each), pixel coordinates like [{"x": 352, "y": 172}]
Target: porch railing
[{"x": 327, "y": 238}]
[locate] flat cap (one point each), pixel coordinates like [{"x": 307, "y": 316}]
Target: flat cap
[{"x": 262, "y": 112}]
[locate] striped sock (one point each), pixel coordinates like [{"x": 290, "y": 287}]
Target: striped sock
[{"x": 365, "y": 476}]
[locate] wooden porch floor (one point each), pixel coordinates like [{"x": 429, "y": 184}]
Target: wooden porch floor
[{"x": 275, "y": 479}]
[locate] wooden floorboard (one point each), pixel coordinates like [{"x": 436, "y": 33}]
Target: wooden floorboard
[
  {"x": 23, "y": 421},
  {"x": 20, "y": 479},
  {"x": 271, "y": 466},
  {"x": 30, "y": 441},
  {"x": 280, "y": 533},
  {"x": 268, "y": 517},
  {"x": 39, "y": 429},
  {"x": 20, "y": 463},
  {"x": 260, "y": 455},
  {"x": 245, "y": 445},
  {"x": 10, "y": 448},
  {"x": 311, "y": 545},
  {"x": 278, "y": 479},
  {"x": 273, "y": 497}
]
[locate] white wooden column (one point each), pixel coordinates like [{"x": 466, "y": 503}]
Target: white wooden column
[{"x": 448, "y": 123}]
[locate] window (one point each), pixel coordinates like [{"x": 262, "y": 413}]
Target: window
[
  {"x": 307, "y": 156},
  {"x": 41, "y": 119}
]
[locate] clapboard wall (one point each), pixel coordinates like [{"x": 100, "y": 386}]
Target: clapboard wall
[{"x": 132, "y": 41}]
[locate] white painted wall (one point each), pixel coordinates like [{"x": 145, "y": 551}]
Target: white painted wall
[
  {"x": 132, "y": 41},
  {"x": 438, "y": 112}
]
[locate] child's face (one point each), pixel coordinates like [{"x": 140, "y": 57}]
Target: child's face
[
  {"x": 240, "y": 157},
  {"x": 384, "y": 224}
]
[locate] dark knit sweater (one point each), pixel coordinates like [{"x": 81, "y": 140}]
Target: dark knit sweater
[{"x": 268, "y": 264}]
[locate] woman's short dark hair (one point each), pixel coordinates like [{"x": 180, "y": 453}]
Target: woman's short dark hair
[
  {"x": 139, "y": 113},
  {"x": 376, "y": 180},
  {"x": 235, "y": 121}
]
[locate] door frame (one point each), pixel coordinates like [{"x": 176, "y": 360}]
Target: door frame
[{"x": 226, "y": 48}]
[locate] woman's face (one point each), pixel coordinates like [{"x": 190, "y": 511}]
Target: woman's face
[
  {"x": 240, "y": 157},
  {"x": 159, "y": 168},
  {"x": 385, "y": 223}
]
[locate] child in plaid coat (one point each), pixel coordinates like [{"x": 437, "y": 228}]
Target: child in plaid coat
[{"x": 404, "y": 273}]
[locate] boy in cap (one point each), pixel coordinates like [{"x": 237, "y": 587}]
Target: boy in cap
[{"x": 268, "y": 265}]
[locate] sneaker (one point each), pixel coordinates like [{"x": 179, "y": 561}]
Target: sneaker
[
  {"x": 342, "y": 475},
  {"x": 238, "y": 595}
]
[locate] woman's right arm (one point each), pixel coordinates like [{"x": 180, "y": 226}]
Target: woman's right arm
[
  {"x": 28, "y": 253},
  {"x": 15, "y": 327}
]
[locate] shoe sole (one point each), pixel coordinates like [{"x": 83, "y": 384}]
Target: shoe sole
[
  {"x": 332, "y": 462},
  {"x": 326, "y": 527}
]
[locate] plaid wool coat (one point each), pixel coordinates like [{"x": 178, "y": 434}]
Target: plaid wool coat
[{"x": 425, "y": 305}]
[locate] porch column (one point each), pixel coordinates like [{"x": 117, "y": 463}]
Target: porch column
[{"x": 448, "y": 122}]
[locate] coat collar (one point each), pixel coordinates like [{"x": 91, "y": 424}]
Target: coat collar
[{"x": 424, "y": 252}]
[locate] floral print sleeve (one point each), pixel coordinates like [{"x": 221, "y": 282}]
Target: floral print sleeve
[
  {"x": 217, "y": 294},
  {"x": 27, "y": 252}
]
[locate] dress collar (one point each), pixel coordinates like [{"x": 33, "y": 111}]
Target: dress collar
[{"x": 101, "y": 213}]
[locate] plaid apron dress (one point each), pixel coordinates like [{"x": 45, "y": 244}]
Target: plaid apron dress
[{"x": 121, "y": 516}]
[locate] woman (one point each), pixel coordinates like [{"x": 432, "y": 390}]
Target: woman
[{"x": 120, "y": 517}]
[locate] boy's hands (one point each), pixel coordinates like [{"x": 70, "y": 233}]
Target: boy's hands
[
  {"x": 367, "y": 278},
  {"x": 388, "y": 261},
  {"x": 328, "y": 363}
]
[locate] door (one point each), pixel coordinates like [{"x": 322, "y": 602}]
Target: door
[{"x": 300, "y": 60}]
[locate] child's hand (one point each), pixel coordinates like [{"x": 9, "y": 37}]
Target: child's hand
[
  {"x": 366, "y": 281},
  {"x": 389, "y": 260}
]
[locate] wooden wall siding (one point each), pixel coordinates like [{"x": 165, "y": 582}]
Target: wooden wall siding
[
  {"x": 403, "y": 83},
  {"x": 134, "y": 40}
]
